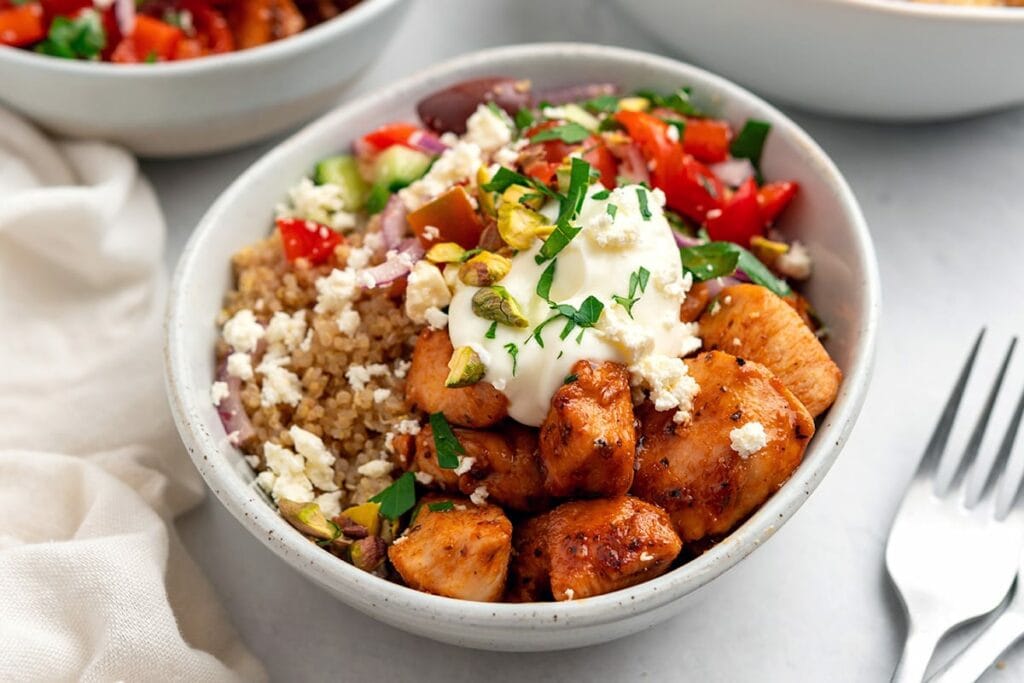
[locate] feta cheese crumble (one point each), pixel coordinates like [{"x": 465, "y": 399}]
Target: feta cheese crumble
[
  {"x": 479, "y": 495},
  {"x": 465, "y": 465},
  {"x": 488, "y": 129},
  {"x": 218, "y": 392},
  {"x": 748, "y": 439},
  {"x": 456, "y": 165},
  {"x": 376, "y": 469},
  {"x": 795, "y": 263},
  {"x": 243, "y": 332},
  {"x": 320, "y": 203},
  {"x": 240, "y": 365},
  {"x": 360, "y": 375},
  {"x": 426, "y": 289}
]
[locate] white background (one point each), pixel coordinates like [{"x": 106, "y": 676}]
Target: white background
[{"x": 945, "y": 203}]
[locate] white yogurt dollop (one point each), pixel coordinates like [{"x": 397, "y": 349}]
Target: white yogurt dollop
[{"x": 614, "y": 243}]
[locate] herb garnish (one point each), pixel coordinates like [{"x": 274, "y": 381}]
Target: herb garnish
[
  {"x": 445, "y": 443},
  {"x": 441, "y": 506},
  {"x": 546, "y": 278},
  {"x": 602, "y": 104},
  {"x": 678, "y": 125},
  {"x": 570, "y": 133},
  {"x": 679, "y": 101},
  {"x": 492, "y": 330},
  {"x": 611, "y": 210},
  {"x": 637, "y": 281},
  {"x": 80, "y": 38},
  {"x": 513, "y": 351},
  {"x": 579, "y": 180},
  {"x": 398, "y": 498},
  {"x": 524, "y": 119},
  {"x": 750, "y": 142},
  {"x": 602, "y": 195},
  {"x": 569, "y": 379},
  {"x": 505, "y": 178},
  {"x": 719, "y": 259},
  {"x": 645, "y": 211}
]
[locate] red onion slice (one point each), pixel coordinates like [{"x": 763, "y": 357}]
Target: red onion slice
[
  {"x": 685, "y": 241},
  {"x": 632, "y": 165},
  {"x": 398, "y": 265},
  {"x": 393, "y": 226},
  {"x": 427, "y": 142},
  {"x": 716, "y": 285},
  {"x": 231, "y": 411},
  {"x": 576, "y": 93},
  {"x": 734, "y": 171},
  {"x": 124, "y": 11}
]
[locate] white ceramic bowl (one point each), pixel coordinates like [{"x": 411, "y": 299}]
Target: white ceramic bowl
[
  {"x": 202, "y": 105},
  {"x": 845, "y": 290},
  {"x": 873, "y": 59}
]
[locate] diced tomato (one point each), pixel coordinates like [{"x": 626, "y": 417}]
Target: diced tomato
[
  {"x": 312, "y": 241},
  {"x": 63, "y": 8},
  {"x": 542, "y": 159},
  {"x": 388, "y": 135},
  {"x": 602, "y": 160},
  {"x": 150, "y": 39},
  {"x": 689, "y": 186},
  {"x": 22, "y": 25},
  {"x": 212, "y": 35},
  {"x": 707, "y": 140},
  {"x": 189, "y": 48},
  {"x": 453, "y": 215},
  {"x": 739, "y": 219},
  {"x": 774, "y": 197}
]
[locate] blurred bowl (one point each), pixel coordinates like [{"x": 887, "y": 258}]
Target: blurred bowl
[
  {"x": 203, "y": 105},
  {"x": 889, "y": 60},
  {"x": 844, "y": 289}
]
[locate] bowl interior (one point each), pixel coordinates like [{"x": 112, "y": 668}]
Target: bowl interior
[{"x": 825, "y": 217}]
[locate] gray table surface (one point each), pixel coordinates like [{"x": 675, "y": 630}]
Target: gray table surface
[{"x": 945, "y": 203}]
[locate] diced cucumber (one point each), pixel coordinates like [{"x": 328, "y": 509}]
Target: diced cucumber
[
  {"x": 343, "y": 171},
  {"x": 393, "y": 169}
]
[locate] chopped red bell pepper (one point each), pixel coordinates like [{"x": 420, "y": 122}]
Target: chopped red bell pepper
[
  {"x": 739, "y": 219},
  {"x": 542, "y": 159},
  {"x": 707, "y": 139},
  {"x": 453, "y": 215},
  {"x": 309, "y": 240},
  {"x": 689, "y": 186},
  {"x": 774, "y": 197},
  {"x": 22, "y": 25}
]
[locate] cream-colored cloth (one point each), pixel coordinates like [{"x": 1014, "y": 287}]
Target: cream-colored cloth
[{"x": 94, "y": 584}]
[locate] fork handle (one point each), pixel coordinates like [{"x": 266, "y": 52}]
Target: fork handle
[
  {"x": 978, "y": 656},
  {"x": 917, "y": 652}
]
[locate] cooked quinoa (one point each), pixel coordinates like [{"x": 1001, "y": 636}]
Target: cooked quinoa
[{"x": 353, "y": 422}]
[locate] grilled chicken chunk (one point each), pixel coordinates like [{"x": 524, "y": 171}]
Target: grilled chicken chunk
[
  {"x": 479, "y": 405},
  {"x": 587, "y": 441},
  {"x": 591, "y": 547},
  {"x": 505, "y": 462},
  {"x": 693, "y": 471},
  {"x": 460, "y": 553},
  {"x": 753, "y": 323}
]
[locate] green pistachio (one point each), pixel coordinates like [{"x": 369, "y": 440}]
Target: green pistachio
[{"x": 495, "y": 303}]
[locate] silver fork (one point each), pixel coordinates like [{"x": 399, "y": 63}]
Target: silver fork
[{"x": 950, "y": 562}]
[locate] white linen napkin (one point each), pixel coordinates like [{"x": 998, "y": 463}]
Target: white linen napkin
[{"x": 94, "y": 584}]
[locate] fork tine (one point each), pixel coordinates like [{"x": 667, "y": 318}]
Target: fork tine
[
  {"x": 933, "y": 451},
  {"x": 1005, "y": 449},
  {"x": 974, "y": 443}
]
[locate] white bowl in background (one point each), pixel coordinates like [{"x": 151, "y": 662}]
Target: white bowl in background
[
  {"x": 202, "y": 105},
  {"x": 845, "y": 290},
  {"x": 889, "y": 60}
]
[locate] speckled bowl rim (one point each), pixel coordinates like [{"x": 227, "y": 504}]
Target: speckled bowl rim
[
  {"x": 355, "y": 19},
  {"x": 357, "y": 587},
  {"x": 948, "y": 13}
]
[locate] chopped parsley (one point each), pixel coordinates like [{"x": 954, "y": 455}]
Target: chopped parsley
[
  {"x": 750, "y": 142},
  {"x": 546, "y": 278},
  {"x": 569, "y": 379},
  {"x": 398, "y": 498},
  {"x": 524, "y": 119},
  {"x": 441, "y": 506},
  {"x": 445, "y": 443},
  {"x": 602, "y": 195},
  {"x": 586, "y": 315},
  {"x": 645, "y": 211},
  {"x": 82, "y": 37},
  {"x": 505, "y": 178},
  {"x": 719, "y": 259},
  {"x": 637, "y": 282},
  {"x": 570, "y": 133},
  {"x": 611, "y": 210},
  {"x": 513, "y": 351},
  {"x": 151, "y": 57},
  {"x": 679, "y": 101},
  {"x": 680, "y": 126},
  {"x": 602, "y": 104},
  {"x": 579, "y": 181},
  {"x": 492, "y": 330}
]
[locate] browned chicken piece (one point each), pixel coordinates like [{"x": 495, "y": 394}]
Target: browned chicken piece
[
  {"x": 587, "y": 441},
  {"x": 459, "y": 553},
  {"x": 802, "y": 306},
  {"x": 753, "y": 323},
  {"x": 506, "y": 463},
  {"x": 591, "y": 547},
  {"x": 696, "y": 301},
  {"x": 478, "y": 405},
  {"x": 692, "y": 470},
  {"x": 262, "y": 21}
]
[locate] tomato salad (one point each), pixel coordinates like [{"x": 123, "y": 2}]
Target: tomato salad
[{"x": 146, "y": 31}]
